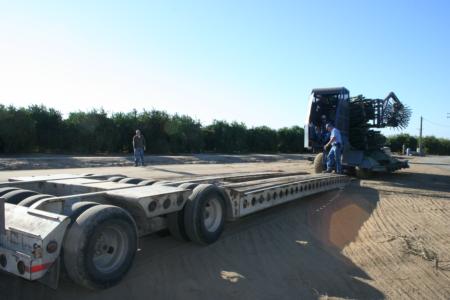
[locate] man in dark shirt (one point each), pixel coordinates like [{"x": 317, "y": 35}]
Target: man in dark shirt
[{"x": 139, "y": 148}]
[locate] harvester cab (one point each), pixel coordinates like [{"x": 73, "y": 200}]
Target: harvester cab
[{"x": 355, "y": 118}]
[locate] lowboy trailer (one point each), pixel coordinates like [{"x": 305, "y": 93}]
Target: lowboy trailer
[{"x": 90, "y": 224}]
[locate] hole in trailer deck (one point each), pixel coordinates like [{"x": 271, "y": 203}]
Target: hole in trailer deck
[
  {"x": 21, "y": 267},
  {"x": 3, "y": 260},
  {"x": 166, "y": 203},
  {"x": 152, "y": 206},
  {"x": 261, "y": 199}
]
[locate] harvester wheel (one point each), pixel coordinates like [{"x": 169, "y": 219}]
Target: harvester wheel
[
  {"x": 363, "y": 173},
  {"x": 204, "y": 214},
  {"x": 318, "y": 163},
  {"x": 99, "y": 248}
]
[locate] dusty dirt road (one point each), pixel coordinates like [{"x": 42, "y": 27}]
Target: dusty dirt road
[{"x": 383, "y": 238}]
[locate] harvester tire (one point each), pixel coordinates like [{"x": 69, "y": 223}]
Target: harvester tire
[
  {"x": 363, "y": 173},
  {"x": 318, "y": 163}
]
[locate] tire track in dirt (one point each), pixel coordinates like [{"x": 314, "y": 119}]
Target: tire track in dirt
[{"x": 401, "y": 214}]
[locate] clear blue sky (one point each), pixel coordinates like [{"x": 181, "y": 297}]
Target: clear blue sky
[{"x": 249, "y": 61}]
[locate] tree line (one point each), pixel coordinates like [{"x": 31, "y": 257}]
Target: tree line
[
  {"x": 40, "y": 129},
  {"x": 431, "y": 144}
]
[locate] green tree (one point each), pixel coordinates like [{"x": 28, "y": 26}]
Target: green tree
[
  {"x": 17, "y": 130},
  {"x": 290, "y": 140}
]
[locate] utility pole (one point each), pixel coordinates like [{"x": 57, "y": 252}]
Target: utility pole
[{"x": 420, "y": 136}]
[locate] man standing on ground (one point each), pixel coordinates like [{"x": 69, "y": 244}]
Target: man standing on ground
[
  {"x": 139, "y": 148},
  {"x": 334, "y": 156}
]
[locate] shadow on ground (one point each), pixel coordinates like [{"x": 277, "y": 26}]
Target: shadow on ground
[
  {"x": 66, "y": 161},
  {"x": 289, "y": 252},
  {"x": 420, "y": 181}
]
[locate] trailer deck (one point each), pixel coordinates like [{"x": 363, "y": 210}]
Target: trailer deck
[{"x": 40, "y": 212}]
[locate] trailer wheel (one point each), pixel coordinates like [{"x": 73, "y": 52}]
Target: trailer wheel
[
  {"x": 175, "y": 220},
  {"x": 78, "y": 208},
  {"x": 27, "y": 202},
  {"x": 100, "y": 246},
  {"x": 16, "y": 196},
  {"x": 115, "y": 178},
  {"x": 130, "y": 180},
  {"x": 204, "y": 214},
  {"x": 175, "y": 223},
  {"x": 6, "y": 190},
  {"x": 188, "y": 185},
  {"x": 147, "y": 182},
  {"x": 318, "y": 163}
]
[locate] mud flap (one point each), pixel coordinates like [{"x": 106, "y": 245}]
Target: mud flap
[{"x": 51, "y": 278}]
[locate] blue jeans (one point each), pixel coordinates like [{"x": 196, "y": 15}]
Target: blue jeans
[
  {"x": 138, "y": 156},
  {"x": 334, "y": 159}
]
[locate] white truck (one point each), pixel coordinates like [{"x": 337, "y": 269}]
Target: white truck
[{"x": 90, "y": 224}]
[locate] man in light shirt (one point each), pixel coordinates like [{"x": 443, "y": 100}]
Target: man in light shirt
[
  {"x": 139, "y": 148},
  {"x": 334, "y": 156}
]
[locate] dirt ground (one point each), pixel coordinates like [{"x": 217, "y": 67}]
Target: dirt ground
[{"x": 388, "y": 237}]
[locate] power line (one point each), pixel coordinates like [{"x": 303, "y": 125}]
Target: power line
[{"x": 436, "y": 124}]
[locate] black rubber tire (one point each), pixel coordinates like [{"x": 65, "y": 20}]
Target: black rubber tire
[
  {"x": 175, "y": 223},
  {"x": 7, "y": 189},
  {"x": 147, "y": 182},
  {"x": 27, "y": 202},
  {"x": 131, "y": 180},
  {"x": 363, "y": 173},
  {"x": 115, "y": 178},
  {"x": 194, "y": 217},
  {"x": 79, "y": 243},
  {"x": 78, "y": 208},
  {"x": 318, "y": 163},
  {"x": 188, "y": 185},
  {"x": 16, "y": 196},
  {"x": 163, "y": 233},
  {"x": 162, "y": 182}
]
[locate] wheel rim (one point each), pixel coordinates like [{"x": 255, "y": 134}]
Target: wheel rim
[
  {"x": 212, "y": 214},
  {"x": 110, "y": 249}
]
